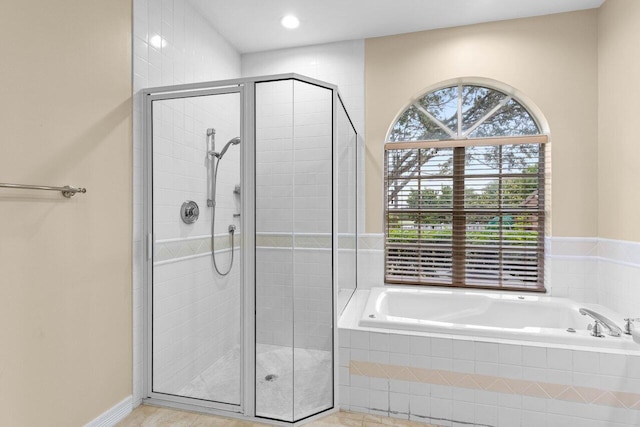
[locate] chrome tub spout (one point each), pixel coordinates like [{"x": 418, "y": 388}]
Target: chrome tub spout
[{"x": 612, "y": 329}]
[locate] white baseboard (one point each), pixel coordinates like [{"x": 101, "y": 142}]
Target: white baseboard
[{"x": 113, "y": 415}]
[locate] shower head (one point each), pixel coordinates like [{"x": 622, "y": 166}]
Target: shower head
[{"x": 233, "y": 141}]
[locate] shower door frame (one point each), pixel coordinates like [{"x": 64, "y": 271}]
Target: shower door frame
[
  {"x": 246, "y": 241},
  {"x": 246, "y": 88}
]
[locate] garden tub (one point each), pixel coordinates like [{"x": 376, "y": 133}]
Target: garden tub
[{"x": 489, "y": 314}]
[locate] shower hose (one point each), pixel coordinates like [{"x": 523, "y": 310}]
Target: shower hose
[{"x": 232, "y": 229}]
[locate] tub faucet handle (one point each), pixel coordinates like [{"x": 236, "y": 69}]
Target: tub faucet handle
[
  {"x": 629, "y": 324},
  {"x": 596, "y": 329}
]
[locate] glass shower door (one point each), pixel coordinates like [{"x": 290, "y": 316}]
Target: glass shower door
[{"x": 196, "y": 274}]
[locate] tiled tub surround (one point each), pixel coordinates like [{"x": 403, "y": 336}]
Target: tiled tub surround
[
  {"x": 457, "y": 380},
  {"x": 619, "y": 276},
  {"x": 591, "y": 270}
]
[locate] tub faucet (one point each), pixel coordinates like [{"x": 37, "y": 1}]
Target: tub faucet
[{"x": 612, "y": 329}]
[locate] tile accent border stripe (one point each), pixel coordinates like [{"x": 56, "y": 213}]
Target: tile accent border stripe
[
  {"x": 542, "y": 390},
  {"x": 179, "y": 249},
  {"x": 170, "y": 250}
]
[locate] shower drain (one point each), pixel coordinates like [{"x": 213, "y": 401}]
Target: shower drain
[{"x": 271, "y": 377}]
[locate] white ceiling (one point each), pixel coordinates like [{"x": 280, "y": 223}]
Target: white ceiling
[{"x": 254, "y": 25}]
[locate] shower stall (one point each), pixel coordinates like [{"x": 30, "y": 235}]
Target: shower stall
[{"x": 250, "y": 215}]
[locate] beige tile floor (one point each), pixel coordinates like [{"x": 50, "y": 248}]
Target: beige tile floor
[{"x": 151, "y": 416}]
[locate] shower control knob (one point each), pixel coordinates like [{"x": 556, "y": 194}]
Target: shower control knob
[{"x": 189, "y": 212}]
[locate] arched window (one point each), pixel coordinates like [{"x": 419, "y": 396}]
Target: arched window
[{"x": 465, "y": 192}]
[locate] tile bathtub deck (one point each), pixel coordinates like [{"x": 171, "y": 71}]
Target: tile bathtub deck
[{"x": 151, "y": 416}]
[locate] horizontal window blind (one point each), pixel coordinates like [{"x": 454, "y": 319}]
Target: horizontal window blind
[{"x": 466, "y": 215}]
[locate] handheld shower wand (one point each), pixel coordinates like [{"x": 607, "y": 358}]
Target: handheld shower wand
[{"x": 234, "y": 141}]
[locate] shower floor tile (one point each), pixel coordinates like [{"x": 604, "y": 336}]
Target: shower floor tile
[
  {"x": 275, "y": 378},
  {"x": 285, "y": 393}
]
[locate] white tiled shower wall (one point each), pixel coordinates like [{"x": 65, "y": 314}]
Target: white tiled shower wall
[
  {"x": 180, "y": 165},
  {"x": 293, "y": 214},
  {"x": 172, "y": 44},
  {"x": 340, "y": 63},
  {"x": 196, "y": 319}
]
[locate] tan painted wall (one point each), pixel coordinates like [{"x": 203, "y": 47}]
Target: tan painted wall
[
  {"x": 65, "y": 265},
  {"x": 551, "y": 59},
  {"x": 618, "y": 113}
]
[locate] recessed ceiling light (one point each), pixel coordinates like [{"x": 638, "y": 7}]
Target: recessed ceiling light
[{"x": 290, "y": 22}]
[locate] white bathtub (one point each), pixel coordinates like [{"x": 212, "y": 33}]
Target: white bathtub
[{"x": 501, "y": 315}]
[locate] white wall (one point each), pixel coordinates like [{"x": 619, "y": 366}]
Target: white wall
[{"x": 174, "y": 44}]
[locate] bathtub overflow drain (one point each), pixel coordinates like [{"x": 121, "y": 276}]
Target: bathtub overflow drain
[
  {"x": 271, "y": 377},
  {"x": 373, "y": 316}
]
